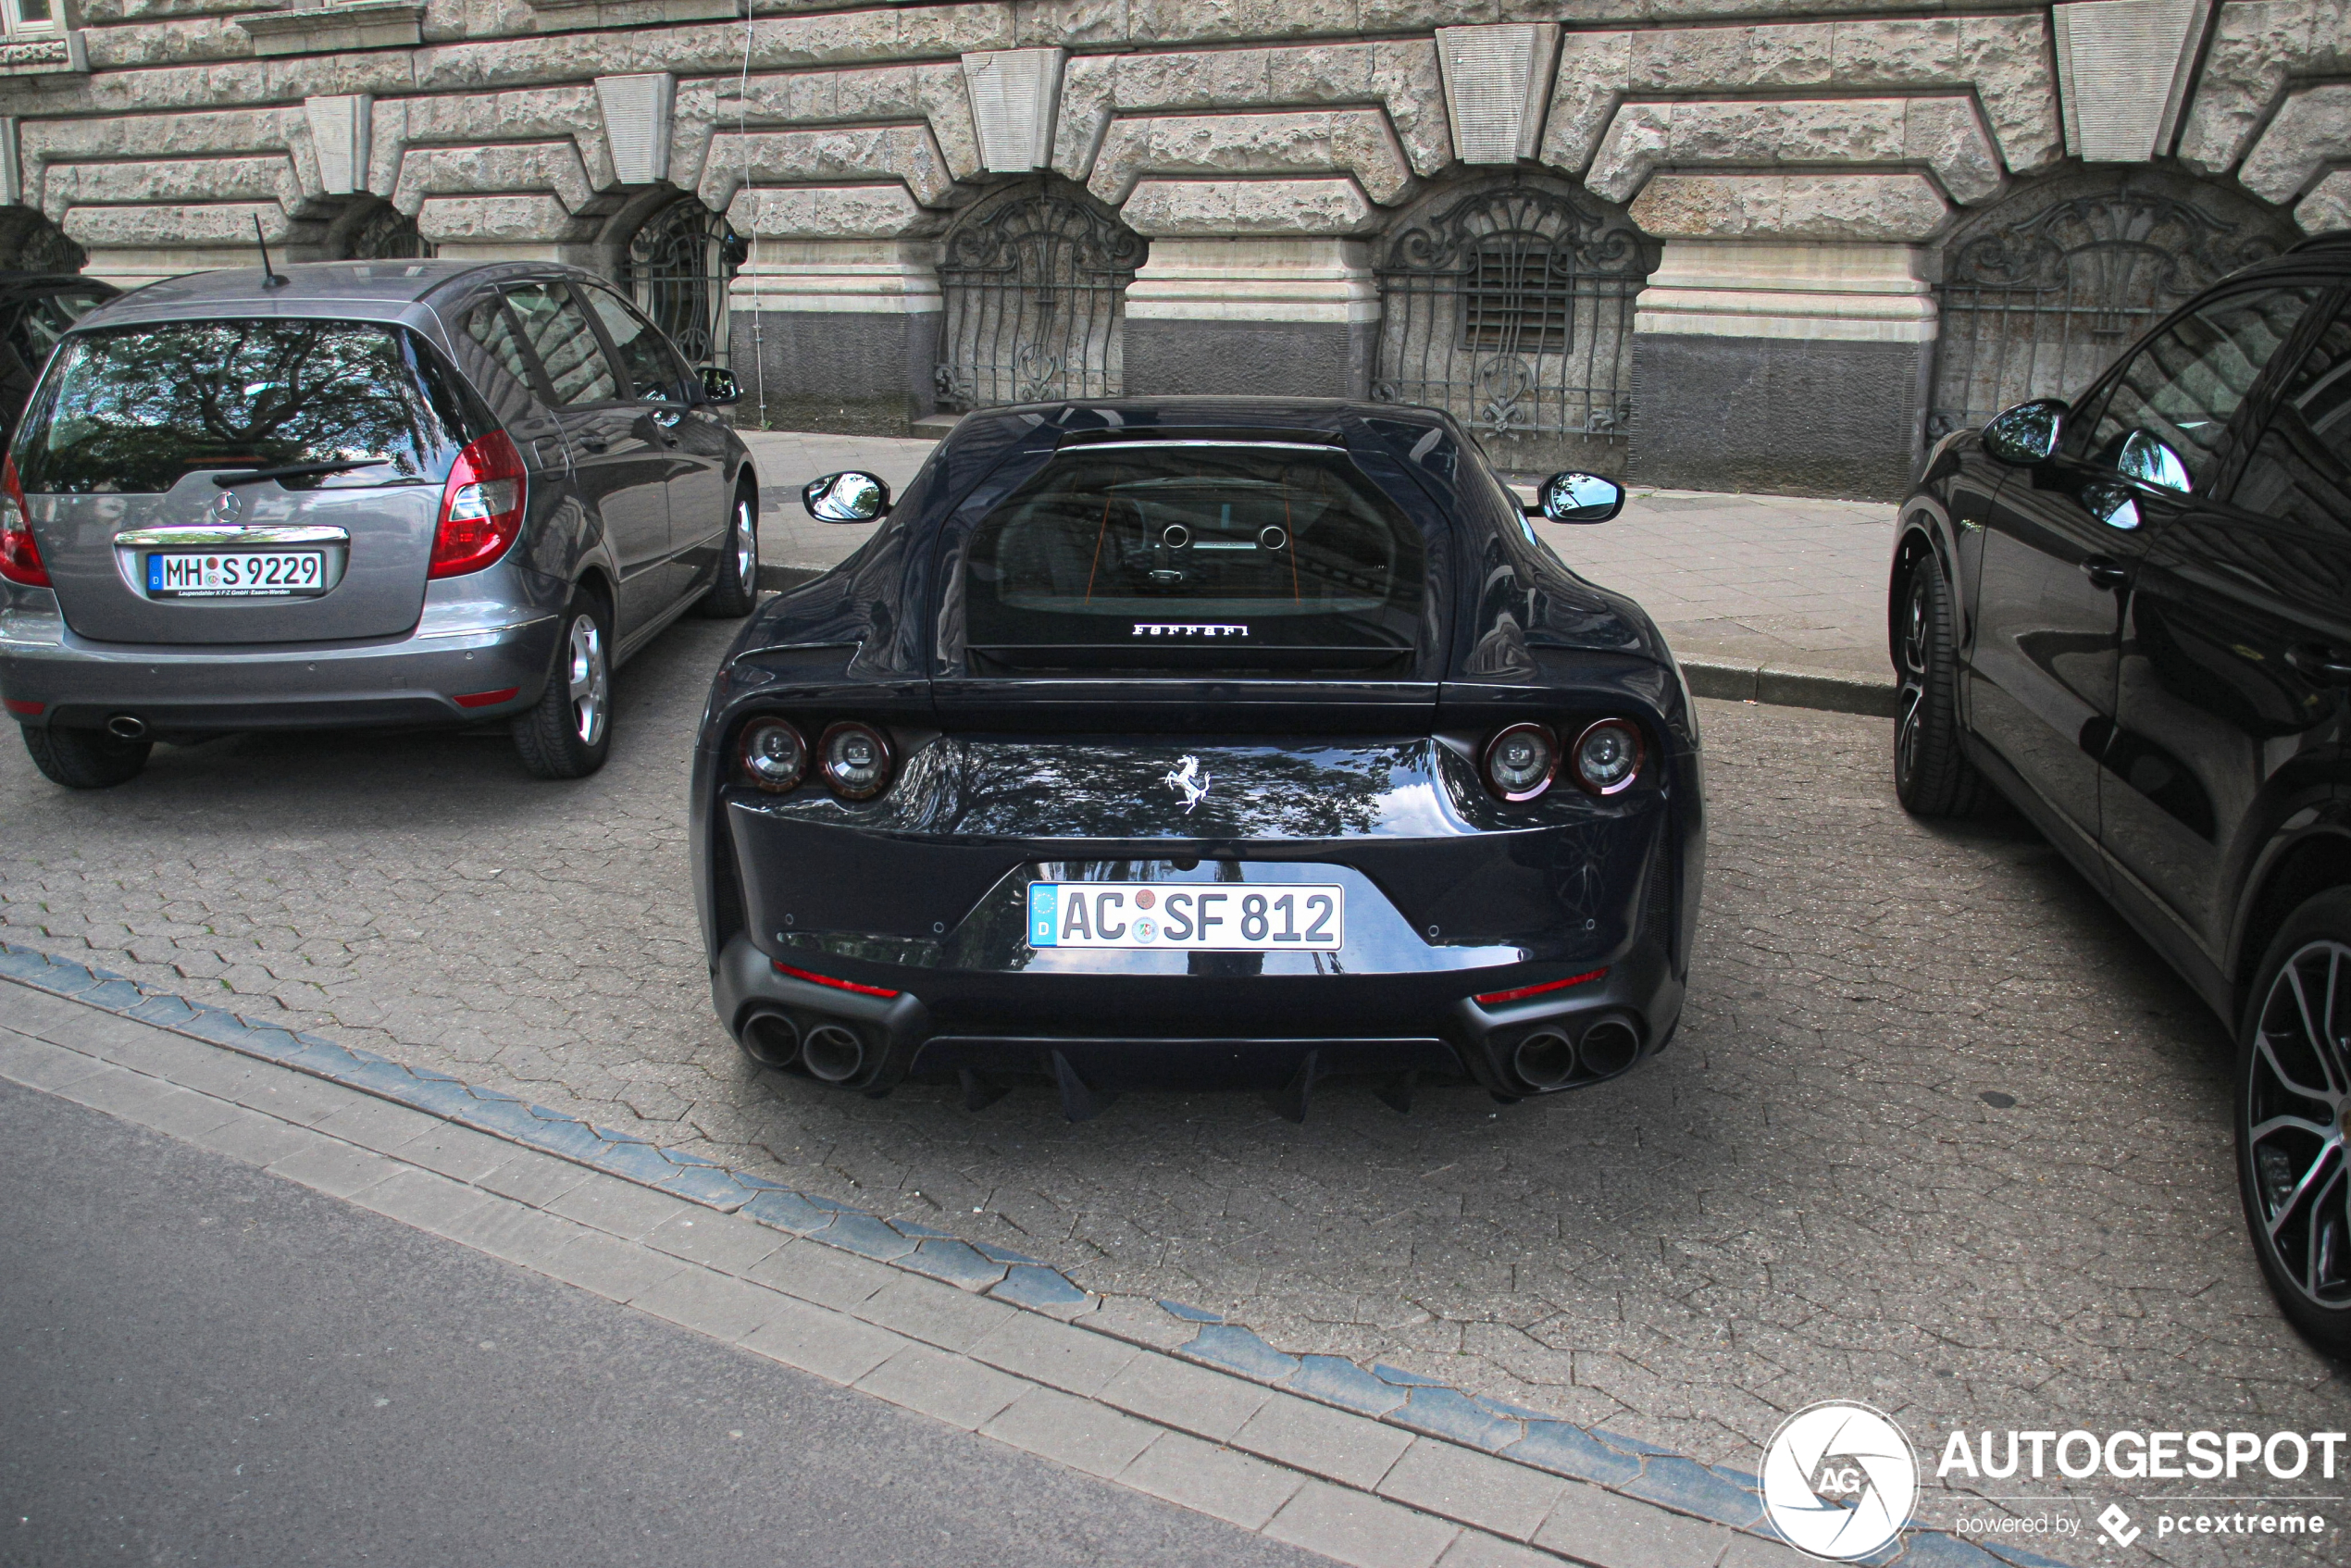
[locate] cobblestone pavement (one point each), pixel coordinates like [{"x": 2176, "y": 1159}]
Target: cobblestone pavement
[
  {"x": 1744, "y": 579},
  {"x": 1809, "y": 1196}
]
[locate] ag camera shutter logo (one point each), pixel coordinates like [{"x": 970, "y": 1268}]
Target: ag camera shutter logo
[{"x": 1839, "y": 1480}]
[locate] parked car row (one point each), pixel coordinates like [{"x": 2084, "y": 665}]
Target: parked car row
[{"x": 2130, "y": 614}]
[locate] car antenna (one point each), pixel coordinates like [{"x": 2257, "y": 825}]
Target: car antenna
[{"x": 270, "y": 277}]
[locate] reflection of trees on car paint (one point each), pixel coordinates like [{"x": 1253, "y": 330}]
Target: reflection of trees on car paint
[
  {"x": 1110, "y": 790},
  {"x": 134, "y": 408}
]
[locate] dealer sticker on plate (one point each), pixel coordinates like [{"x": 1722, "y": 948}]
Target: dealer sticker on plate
[{"x": 1204, "y": 917}]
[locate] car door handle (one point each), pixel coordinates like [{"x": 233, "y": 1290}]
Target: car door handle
[
  {"x": 2104, "y": 571},
  {"x": 2320, "y": 664}
]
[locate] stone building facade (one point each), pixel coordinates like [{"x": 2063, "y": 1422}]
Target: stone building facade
[{"x": 1764, "y": 245}]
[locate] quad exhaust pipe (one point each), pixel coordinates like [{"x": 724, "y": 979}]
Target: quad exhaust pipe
[
  {"x": 826, "y": 1050},
  {"x": 1547, "y": 1059},
  {"x": 832, "y": 1052},
  {"x": 769, "y": 1038}
]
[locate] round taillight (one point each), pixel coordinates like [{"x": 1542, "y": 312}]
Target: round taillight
[
  {"x": 1606, "y": 757},
  {"x": 774, "y": 755},
  {"x": 855, "y": 760},
  {"x": 1519, "y": 762}
]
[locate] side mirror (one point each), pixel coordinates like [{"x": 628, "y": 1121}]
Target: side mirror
[
  {"x": 2153, "y": 464},
  {"x": 2028, "y": 433},
  {"x": 720, "y": 387},
  {"x": 851, "y": 497},
  {"x": 1579, "y": 498}
]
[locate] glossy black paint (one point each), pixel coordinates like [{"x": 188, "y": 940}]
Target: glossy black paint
[
  {"x": 1371, "y": 783},
  {"x": 2151, "y": 682}
]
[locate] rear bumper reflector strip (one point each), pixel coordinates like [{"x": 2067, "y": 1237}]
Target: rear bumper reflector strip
[
  {"x": 1522, "y": 992},
  {"x": 487, "y": 699},
  {"x": 813, "y": 978}
]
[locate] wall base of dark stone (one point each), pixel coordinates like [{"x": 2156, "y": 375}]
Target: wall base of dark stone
[
  {"x": 851, "y": 372},
  {"x": 1786, "y": 416},
  {"x": 1255, "y": 358}
]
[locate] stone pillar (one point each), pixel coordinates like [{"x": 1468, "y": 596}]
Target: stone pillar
[
  {"x": 1793, "y": 367},
  {"x": 1281, "y": 317},
  {"x": 834, "y": 334}
]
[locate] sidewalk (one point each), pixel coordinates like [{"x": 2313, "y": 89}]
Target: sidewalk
[{"x": 1765, "y": 596}]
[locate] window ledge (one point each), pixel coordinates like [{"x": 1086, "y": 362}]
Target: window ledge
[
  {"x": 61, "y": 54},
  {"x": 351, "y": 24},
  {"x": 629, "y": 13}
]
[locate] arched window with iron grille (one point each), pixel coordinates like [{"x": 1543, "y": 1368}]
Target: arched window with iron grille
[
  {"x": 1508, "y": 303},
  {"x": 2041, "y": 292},
  {"x": 376, "y": 230},
  {"x": 678, "y": 267},
  {"x": 1034, "y": 279}
]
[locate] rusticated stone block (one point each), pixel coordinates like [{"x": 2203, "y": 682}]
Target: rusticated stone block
[
  {"x": 550, "y": 167},
  {"x": 1789, "y": 206},
  {"x": 264, "y": 177},
  {"x": 817, "y": 212},
  {"x": 1209, "y": 207},
  {"x": 1945, "y": 134},
  {"x": 1402, "y": 75},
  {"x": 498, "y": 220},
  {"x": 2310, "y": 129},
  {"x": 2003, "y": 58},
  {"x": 933, "y": 94},
  {"x": 2257, "y": 46},
  {"x": 2329, "y": 206},
  {"x": 210, "y": 223},
  {"x": 1355, "y": 142},
  {"x": 825, "y": 157}
]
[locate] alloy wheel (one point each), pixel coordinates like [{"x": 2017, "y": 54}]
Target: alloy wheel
[
  {"x": 1917, "y": 630},
  {"x": 746, "y": 545},
  {"x": 589, "y": 682},
  {"x": 2296, "y": 1096}
]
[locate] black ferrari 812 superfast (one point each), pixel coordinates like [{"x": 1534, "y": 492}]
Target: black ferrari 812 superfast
[{"x": 1189, "y": 742}]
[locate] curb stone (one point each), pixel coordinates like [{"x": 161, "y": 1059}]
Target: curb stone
[{"x": 1627, "y": 1466}]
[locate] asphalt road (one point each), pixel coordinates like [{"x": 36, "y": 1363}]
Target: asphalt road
[
  {"x": 200, "y": 1364},
  {"x": 1938, "y": 1132}
]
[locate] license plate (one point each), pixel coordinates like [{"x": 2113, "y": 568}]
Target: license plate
[
  {"x": 1189, "y": 916},
  {"x": 245, "y": 575}
]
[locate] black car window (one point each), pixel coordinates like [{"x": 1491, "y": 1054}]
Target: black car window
[
  {"x": 558, "y": 333},
  {"x": 488, "y": 325},
  {"x": 1161, "y": 556},
  {"x": 647, "y": 366},
  {"x": 2300, "y": 470},
  {"x": 134, "y": 408},
  {"x": 2184, "y": 385}
]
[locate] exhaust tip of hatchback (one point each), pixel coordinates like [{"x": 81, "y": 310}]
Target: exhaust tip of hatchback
[
  {"x": 1611, "y": 1044},
  {"x": 127, "y": 726},
  {"x": 770, "y": 1039},
  {"x": 832, "y": 1052},
  {"x": 1545, "y": 1059}
]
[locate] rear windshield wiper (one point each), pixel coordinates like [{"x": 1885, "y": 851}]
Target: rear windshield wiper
[{"x": 296, "y": 471}]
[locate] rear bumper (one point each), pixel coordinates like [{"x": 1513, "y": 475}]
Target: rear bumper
[{"x": 51, "y": 676}]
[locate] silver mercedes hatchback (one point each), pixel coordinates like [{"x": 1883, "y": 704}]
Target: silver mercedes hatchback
[{"x": 359, "y": 493}]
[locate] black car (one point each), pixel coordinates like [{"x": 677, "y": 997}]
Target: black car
[
  {"x": 36, "y": 309},
  {"x": 2131, "y": 613},
  {"x": 1200, "y": 743}
]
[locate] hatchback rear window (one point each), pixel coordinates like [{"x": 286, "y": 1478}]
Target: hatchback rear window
[
  {"x": 1166, "y": 556},
  {"x": 135, "y": 408}
]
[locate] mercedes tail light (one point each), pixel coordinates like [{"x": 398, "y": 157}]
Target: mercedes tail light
[
  {"x": 20, "y": 556},
  {"x": 481, "y": 507}
]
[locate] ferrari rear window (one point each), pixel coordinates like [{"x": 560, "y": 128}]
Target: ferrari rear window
[{"x": 1166, "y": 555}]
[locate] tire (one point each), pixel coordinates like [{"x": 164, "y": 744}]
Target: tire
[
  {"x": 567, "y": 733},
  {"x": 1932, "y": 776},
  {"x": 85, "y": 759},
  {"x": 2292, "y": 1091},
  {"x": 736, "y": 593}
]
